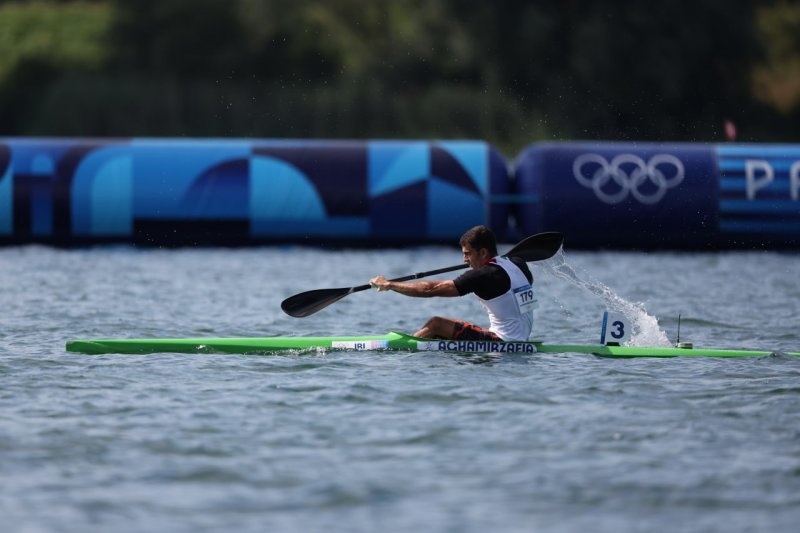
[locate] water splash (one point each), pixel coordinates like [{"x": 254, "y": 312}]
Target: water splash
[{"x": 646, "y": 331}]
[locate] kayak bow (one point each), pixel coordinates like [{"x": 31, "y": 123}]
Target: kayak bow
[{"x": 393, "y": 341}]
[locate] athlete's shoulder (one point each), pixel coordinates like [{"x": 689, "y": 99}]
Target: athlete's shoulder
[
  {"x": 523, "y": 266},
  {"x": 478, "y": 280}
]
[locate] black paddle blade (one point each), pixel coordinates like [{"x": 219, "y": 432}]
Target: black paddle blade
[
  {"x": 538, "y": 247},
  {"x": 309, "y": 302}
]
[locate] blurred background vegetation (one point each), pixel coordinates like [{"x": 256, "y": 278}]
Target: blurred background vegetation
[{"x": 511, "y": 72}]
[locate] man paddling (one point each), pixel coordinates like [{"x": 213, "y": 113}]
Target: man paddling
[{"x": 502, "y": 285}]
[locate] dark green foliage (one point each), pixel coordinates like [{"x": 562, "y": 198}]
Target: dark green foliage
[{"x": 510, "y": 72}]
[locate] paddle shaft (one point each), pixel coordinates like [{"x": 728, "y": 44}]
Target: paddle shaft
[
  {"x": 418, "y": 275},
  {"x": 534, "y": 248}
]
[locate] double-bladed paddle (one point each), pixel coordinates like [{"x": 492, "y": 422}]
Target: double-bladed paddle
[{"x": 534, "y": 248}]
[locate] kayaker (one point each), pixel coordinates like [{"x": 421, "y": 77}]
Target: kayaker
[{"x": 503, "y": 286}]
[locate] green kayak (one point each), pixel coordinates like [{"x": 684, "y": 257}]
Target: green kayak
[{"x": 392, "y": 341}]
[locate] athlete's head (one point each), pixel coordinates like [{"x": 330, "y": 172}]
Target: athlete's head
[
  {"x": 480, "y": 237},
  {"x": 478, "y": 245}
]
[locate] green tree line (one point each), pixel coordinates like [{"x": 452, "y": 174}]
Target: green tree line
[{"x": 510, "y": 72}]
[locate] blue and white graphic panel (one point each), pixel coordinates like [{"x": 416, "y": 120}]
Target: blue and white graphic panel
[{"x": 760, "y": 189}]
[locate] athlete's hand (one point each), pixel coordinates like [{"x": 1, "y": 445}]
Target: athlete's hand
[{"x": 380, "y": 283}]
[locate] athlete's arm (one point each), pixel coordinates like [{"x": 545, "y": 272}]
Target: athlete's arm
[{"x": 420, "y": 289}]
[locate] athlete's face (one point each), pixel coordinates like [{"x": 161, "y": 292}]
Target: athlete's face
[{"x": 475, "y": 258}]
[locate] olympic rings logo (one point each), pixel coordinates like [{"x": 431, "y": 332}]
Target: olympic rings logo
[{"x": 626, "y": 174}]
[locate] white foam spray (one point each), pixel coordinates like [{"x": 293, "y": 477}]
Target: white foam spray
[{"x": 646, "y": 331}]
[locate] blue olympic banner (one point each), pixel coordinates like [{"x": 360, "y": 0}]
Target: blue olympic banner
[
  {"x": 215, "y": 191},
  {"x": 619, "y": 195},
  {"x": 238, "y": 192}
]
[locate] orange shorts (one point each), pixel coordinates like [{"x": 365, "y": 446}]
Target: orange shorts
[{"x": 464, "y": 331}]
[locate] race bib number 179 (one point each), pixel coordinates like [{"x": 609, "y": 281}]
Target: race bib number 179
[{"x": 525, "y": 300}]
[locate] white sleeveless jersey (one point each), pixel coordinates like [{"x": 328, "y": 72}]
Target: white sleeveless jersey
[{"x": 511, "y": 313}]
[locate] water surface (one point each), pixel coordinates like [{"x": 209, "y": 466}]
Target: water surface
[{"x": 401, "y": 442}]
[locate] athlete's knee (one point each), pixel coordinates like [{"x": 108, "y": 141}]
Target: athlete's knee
[{"x": 439, "y": 326}]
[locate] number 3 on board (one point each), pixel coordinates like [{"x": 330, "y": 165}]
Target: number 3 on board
[{"x": 615, "y": 329}]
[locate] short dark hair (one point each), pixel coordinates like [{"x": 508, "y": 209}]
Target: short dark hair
[{"x": 480, "y": 237}]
